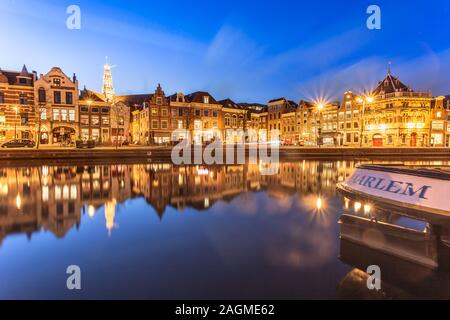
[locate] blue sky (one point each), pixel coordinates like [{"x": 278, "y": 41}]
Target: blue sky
[{"x": 247, "y": 50}]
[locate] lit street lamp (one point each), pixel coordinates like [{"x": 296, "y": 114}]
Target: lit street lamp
[{"x": 320, "y": 106}]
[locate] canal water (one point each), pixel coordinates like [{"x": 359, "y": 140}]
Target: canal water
[{"x": 158, "y": 231}]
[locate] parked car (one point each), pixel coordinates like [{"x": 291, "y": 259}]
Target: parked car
[
  {"x": 19, "y": 143},
  {"x": 85, "y": 144}
]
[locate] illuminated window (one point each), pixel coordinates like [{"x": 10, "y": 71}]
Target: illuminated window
[
  {"x": 57, "y": 193},
  {"x": 105, "y": 121},
  {"x": 73, "y": 192},
  {"x": 56, "y": 114},
  {"x": 95, "y": 134},
  {"x": 43, "y": 113},
  {"x": 63, "y": 115},
  {"x": 95, "y": 120},
  {"x": 45, "y": 193},
  {"x": 66, "y": 192},
  {"x": 84, "y": 120}
]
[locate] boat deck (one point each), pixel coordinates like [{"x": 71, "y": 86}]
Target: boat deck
[{"x": 435, "y": 172}]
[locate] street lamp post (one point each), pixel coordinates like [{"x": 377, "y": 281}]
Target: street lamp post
[
  {"x": 89, "y": 102},
  {"x": 16, "y": 109}
]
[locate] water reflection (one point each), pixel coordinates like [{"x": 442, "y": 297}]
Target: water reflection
[
  {"x": 412, "y": 252},
  {"x": 281, "y": 231},
  {"x": 55, "y": 197}
]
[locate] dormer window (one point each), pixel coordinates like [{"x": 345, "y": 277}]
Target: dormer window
[
  {"x": 180, "y": 98},
  {"x": 439, "y": 114},
  {"x": 206, "y": 99},
  {"x": 159, "y": 101},
  {"x": 57, "y": 82},
  {"x": 22, "y": 81}
]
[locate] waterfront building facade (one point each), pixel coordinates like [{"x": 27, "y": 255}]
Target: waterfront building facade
[
  {"x": 204, "y": 117},
  {"x": 17, "y": 108},
  {"x": 158, "y": 114},
  {"x": 257, "y": 116},
  {"x": 446, "y": 103},
  {"x": 120, "y": 123},
  {"x": 50, "y": 110},
  {"x": 56, "y": 99},
  {"x": 95, "y": 117},
  {"x": 275, "y": 109},
  {"x": 396, "y": 116},
  {"x": 309, "y": 123},
  {"x": 289, "y": 132},
  {"x": 349, "y": 120},
  {"x": 438, "y": 129},
  {"x": 328, "y": 135},
  {"x": 180, "y": 109},
  {"x": 233, "y": 118}
]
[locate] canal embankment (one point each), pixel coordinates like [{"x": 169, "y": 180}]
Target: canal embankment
[{"x": 164, "y": 153}]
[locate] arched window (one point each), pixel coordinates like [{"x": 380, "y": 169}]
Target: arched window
[{"x": 227, "y": 120}]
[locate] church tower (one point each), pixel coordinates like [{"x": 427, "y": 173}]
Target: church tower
[{"x": 108, "y": 89}]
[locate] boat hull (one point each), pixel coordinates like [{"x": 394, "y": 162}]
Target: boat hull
[{"x": 401, "y": 189}]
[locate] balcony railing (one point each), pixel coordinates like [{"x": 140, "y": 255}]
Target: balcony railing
[{"x": 404, "y": 94}]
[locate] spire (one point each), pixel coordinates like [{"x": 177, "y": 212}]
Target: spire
[
  {"x": 110, "y": 213},
  {"x": 24, "y": 71},
  {"x": 389, "y": 68},
  {"x": 108, "y": 89}
]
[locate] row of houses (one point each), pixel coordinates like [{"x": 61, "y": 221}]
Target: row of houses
[
  {"x": 392, "y": 114},
  {"x": 51, "y": 109}
]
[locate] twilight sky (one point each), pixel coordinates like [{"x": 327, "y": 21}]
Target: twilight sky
[{"x": 250, "y": 51}]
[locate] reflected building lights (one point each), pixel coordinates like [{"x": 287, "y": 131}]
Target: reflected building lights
[
  {"x": 319, "y": 203},
  {"x": 18, "y": 202},
  {"x": 110, "y": 213},
  {"x": 346, "y": 203},
  {"x": 91, "y": 211}
]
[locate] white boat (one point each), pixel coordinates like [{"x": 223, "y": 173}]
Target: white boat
[{"x": 415, "y": 189}]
